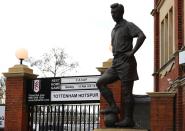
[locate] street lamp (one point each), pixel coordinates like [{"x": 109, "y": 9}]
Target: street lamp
[{"x": 21, "y": 54}]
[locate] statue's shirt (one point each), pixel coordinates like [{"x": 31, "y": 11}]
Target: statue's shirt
[{"x": 122, "y": 37}]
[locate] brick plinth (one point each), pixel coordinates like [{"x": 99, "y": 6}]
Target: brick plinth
[
  {"x": 162, "y": 111},
  {"x": 16, "y": 110}
]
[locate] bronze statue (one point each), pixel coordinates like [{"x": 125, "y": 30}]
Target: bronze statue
[{"x": 124, "y": 66}]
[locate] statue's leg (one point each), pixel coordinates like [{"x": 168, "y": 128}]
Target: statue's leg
[
  {"x": 128, "y": 104},
  {"x": 105, "y": 79}
]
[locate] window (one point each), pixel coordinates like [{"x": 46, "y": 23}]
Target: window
[{"x": 166, "y": 37}]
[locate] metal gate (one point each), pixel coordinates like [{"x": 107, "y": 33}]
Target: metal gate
[
  {"x": 64, "y": 117},
  {"x": 63, "y": 103}
]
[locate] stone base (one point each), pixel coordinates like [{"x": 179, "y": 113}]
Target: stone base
[{"x": 119, "y": 129}]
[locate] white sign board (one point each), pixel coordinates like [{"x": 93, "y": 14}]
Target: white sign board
[
  {"x": 80, "y": 79},
  {"x": 2, "y": 116},
  {"x": 182, "y": 57},
  {"x": 75, "y": 95}
]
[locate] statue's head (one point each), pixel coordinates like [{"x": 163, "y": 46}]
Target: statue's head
[{"x": 117, "y": 11}]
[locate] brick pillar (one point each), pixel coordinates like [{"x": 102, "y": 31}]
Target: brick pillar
[
  {"x": 162, "y": 111},
  {"x": 155, "y": 14},
  {"x": 114, "y": 87},
  {"x": 179, "y": 109},
  {"x": 16, "y": 118}
]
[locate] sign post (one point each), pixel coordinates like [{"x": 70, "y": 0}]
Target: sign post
[{"x": 63, "y": 89}]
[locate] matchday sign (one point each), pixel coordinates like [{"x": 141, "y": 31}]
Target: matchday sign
[{"x": 75, "y": 88}]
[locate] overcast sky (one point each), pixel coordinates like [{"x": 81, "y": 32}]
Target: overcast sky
[{"x": 81, "y": 27}]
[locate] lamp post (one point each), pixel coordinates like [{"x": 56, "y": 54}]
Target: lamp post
[
  {"x": 16, "y": 112},
  {"x": 21, "y": 54}
]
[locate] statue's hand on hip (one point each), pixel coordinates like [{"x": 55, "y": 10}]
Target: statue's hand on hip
[{"x": 129, "y": 53}]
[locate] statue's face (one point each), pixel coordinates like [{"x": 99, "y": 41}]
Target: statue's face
[{"x": 116, "y": 14}]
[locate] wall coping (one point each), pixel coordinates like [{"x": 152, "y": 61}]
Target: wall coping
[
  {"x": 161, "y": 94},
  {"x": 20, "y": 71},
  {"x": 105, "y": 65}
]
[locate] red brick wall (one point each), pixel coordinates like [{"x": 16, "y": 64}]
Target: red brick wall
[
  {"x": 179, "y": 23},
  {"x": 156, "y": 49},
  {"x": 180, "y": 121},
  {"x": 161, "y": 84},
  {"x": 173, "y": 75},
  {"x": 180, "y": 100},
  {"x": 15, "y": 114},
  {"x": 183, "y": 108},
  {"x": 179, "y": 110},
  {"x": 116, "y": 89},
  {"x": 162, "y": 113}
]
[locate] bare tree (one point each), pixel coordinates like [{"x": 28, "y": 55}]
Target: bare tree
[
  {"x": 2, "y": 89},
  {"x": 55, "y": 63}
]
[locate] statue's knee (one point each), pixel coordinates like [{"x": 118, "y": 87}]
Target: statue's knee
[
  {"x": 101, "y": 88},
  {"x": 99, "y": 83}
]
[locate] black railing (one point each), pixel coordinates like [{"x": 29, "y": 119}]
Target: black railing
[{"x": 67, "y": 117}]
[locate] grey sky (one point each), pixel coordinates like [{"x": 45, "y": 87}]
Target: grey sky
[{"x": 81, "y": 27}]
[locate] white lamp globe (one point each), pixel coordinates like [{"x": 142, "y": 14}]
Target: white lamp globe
[{"x": 21, "y": 54}]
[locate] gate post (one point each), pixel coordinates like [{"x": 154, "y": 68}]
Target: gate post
[
  {"x": 162, "y": 111},
  {"x": 16, "y": 111}
]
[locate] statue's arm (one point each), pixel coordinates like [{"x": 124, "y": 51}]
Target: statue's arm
[
  {"x": 137, "y": 33},
  {"x": 140, "y": 39}
]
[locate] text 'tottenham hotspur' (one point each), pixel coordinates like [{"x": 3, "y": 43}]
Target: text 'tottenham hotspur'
[{"x": 75, "y": 95}]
